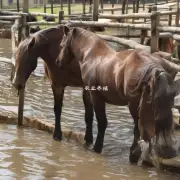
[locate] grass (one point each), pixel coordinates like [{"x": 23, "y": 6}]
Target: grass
[{"x": 75, "y": 8}]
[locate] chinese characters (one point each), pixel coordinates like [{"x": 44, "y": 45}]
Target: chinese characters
[{"x": 94, "y": 88}]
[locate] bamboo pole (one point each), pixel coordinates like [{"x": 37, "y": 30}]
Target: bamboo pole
[
  {"x": 132, "y": 15},
  {"x": 43, "y": 23},
  {"x": 10, "y": 18},
  {"x": 6, "y": 22},
  {"x": 169, "y": 29},
  {"x": 95, "y": 10},
  {"x": 125, "y": 42},
  {"x": 105, "y": 24}
]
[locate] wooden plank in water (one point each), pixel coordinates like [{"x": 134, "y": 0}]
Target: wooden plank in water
[{"x": 21, "y": 107}]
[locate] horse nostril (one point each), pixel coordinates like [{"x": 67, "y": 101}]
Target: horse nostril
[{"x": 58, "y": 63}]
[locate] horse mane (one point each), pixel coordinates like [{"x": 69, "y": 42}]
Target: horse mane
[
  {"x": 145, "y": 72},
  {"x": 82, "y": 32},
  {"x": 46, "y": 35},
  {"x": 163, "y": 89}
]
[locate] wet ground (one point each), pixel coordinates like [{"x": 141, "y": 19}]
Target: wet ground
[{"x": 113, "y": 162}]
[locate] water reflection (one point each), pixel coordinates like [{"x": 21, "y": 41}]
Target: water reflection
[{"x": 34, "y": 155}]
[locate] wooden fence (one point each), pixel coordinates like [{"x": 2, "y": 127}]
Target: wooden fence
[{"x": 154, "y": 25}]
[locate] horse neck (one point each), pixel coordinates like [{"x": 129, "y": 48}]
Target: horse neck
[{"x": 82, "y": 46}]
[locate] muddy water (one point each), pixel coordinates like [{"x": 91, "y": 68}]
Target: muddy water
[{"x": 39, "y": 103}]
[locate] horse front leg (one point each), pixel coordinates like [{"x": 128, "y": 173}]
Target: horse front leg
[
  {"x": 135, "y": 150},
  {"x": 58, "y": 102},
  {"x": 89, "y": 113},
  {"x": 99, "y": 108}
]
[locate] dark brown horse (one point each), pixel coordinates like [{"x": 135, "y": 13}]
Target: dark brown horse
[
  {"x": 132, "y": 77},
  {"x": 45, "y": 44}
]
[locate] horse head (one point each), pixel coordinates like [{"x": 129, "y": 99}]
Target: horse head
[
  {"x": 155, "y": 111},
  {"x": 25, "y": 62}
]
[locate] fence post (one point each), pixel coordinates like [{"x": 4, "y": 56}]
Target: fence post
[
  {"x": 61, "y": 16},
  {"x": 25, "y": 27},
  {"x": 1, "y": 4},
  {"x": 143, "y": 36},
  {"x": 127, "y": 8},
  {"x": 52, "y": 8},
  {"x": 26, "y": 6},
  {"x": 69, "y": 7},
  {"x": 112, "y": 12},
  {"x": 95, "y": 10},
  {"x": 137, "y": 6},
  {"x": 102, "y": 5},
  {"x": 44, "y": 3},
  {"x": 154, "y": 31},
  {"x": 25, "y": 30},
  {"x": 177, "y": 15},
  {"x": 123, "y": 6},
  {"x": 84, "y": 6},
  {"x": 61, "y": 2},
  {"x": 16, "y": 32},
  {"x": 170, "y": 17},
  {"x": 18, "y": 8}
]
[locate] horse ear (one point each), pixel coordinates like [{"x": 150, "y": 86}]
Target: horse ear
[
  {"x": 66, "y": 30},
  {"x": 32, "y": 42}
]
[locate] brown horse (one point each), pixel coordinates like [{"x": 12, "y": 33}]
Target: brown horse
[
  {"x": 132, "y": 77},
  {"x": 45, "y": 44}
]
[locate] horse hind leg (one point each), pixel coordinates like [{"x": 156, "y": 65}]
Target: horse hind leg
[
  {"x": 135, "y": 151},
  {"x": 99, "y": 108},
  {"x": 58, "y": 101},
  {"x": 89, "y": 113}
]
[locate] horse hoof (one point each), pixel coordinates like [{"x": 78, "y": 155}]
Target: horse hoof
[
  {"x": 133, "y": 158},
  {"x": 97, "y": 149},
  {"x": 135, "y": 155},
  {"x": 88, "y": 141},
  {"x": 57, "y": 137}
]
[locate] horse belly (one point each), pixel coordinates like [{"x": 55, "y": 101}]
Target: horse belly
[{"x": 114, "y": 98}]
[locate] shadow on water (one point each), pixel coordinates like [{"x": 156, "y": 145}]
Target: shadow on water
[{"x": 40, "y": 156}]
